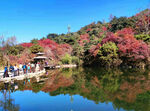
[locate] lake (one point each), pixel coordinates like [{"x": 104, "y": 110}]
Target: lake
[{"x": 79, "y": 89}]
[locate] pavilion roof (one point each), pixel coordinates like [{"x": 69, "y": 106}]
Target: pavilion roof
[
  {"x": 40, "y": 57},
  {"x": 40, "y": 53}
]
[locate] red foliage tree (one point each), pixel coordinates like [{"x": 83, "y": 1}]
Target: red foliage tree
[
  {"x": 129, "y": 47},
  {"x": 133, "y": 49},
  {"x": 48, "y": 43},
  {"x": 94, "y": 50},
  {"x": 84, "y": 38},
  {"x": 110, "y": 37},
  {"x": 125, "y": 31},
  {"x": 13, "y": 59},
  {"x": 143, "y": 21},
  {"x": 53, "y": 50},
  {"x": 104, "y": 28},
  {"x": 26, "y": 45},
  {"x": 88, "y": 30}
]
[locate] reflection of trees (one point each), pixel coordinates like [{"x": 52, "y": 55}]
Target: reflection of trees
[
  {"x": 7, "y": 103},
  {"x": 114, "y": 86},
  {"x": 85, "y": 86},
  {"x": 142, "y": 103},
  {"x": 126, "y": 89},
  {"x": 30, "y": 84},
  {"x": 36, "y": 87}
]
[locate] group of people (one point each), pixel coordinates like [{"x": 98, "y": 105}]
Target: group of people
[{"x": 22, "y": 69}]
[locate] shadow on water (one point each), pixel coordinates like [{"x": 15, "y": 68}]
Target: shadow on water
[{"x": 127, "y": 89}]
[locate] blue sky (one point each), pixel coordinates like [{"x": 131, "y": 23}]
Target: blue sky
[{"x": 28, "y": 19}]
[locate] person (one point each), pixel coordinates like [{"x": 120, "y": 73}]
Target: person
[
  {"x": 24, "y": 68},
  {"x": 37, "y": 67},
  {"x": 11, "y": 68},
  {"x": 32, "y": 68},
  {"x": 5, "y": 72},
  {"x": 29, "y": 71},
  {"x": 15, "y": 70},
  {"x": 20, "y": 69},
  {"x": 46, "y": 63}
]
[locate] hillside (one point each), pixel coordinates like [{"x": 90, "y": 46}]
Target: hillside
[{"x": 121, "y": 42}]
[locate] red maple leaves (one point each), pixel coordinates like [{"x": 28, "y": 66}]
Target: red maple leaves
[
  {"x": 26, "y": 45},
  {"x": 83, "y": 39},
  {"x": 128, "y": 46}
]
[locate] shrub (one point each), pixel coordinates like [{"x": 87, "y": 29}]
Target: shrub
[
  {"x": 66, "y": 59},
  {"x": 75, "y": 60}
]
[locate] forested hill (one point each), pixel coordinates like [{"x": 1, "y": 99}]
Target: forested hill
[{"x": 122, "y": 41}]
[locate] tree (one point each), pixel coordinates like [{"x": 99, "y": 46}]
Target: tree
[
  {"x": 11, "y": 41},
  {"x": 36, "y": 48},
  {"x": 66, "y": 59},
  {"x": 144, "y": 37},
  {"x": 120, "y": 23},
  {"x": 52, "y": 36},
  {"x": 77, "y": 50},
  {"x": 15, "y": 50},
  {"x": 143, "y": 22},
  {"x": 75, "y": 60},
  {"x": 130, "y": 49},
  {"x": 34, "y": 41},
  {"x": 26, "y": 45},
  {"x": 108, "y": 53}
]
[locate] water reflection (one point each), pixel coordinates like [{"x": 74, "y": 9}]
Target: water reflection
[
  {"x": 6, "y": 102},
  {"x": 125, "y": 89}
]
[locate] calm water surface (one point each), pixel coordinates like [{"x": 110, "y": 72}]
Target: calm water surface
[{"x": 82, "y": 89}]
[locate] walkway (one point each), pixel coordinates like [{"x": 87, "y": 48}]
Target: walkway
[{"x": 21, "y": 77}]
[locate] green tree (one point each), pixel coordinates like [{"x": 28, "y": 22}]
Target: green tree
[
  {"x": 77, "y": 50},
  {"x": 75, "y": 60},
  {"x": 36, "y": 48},
  {"x": 144, "y": 37},
  {"x": 108, "y": 54},
  {"x": 34, "y": 41},
  {"x": 15, "y": 50},
  {"x": 52, "y": 36},
  {"x": 120, "y": 23},
  {"x": 66, "y": 59}
]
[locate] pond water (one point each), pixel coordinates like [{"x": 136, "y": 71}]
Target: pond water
[{"x": 79, "y": 89}]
